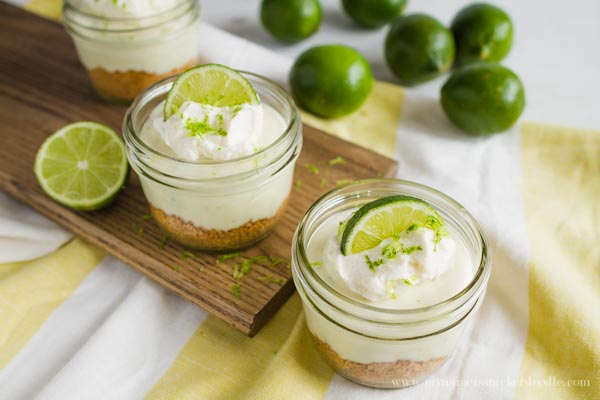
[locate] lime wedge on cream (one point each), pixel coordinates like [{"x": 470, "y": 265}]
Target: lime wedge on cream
[
  {"x": 211, "y": 84},
  {"x": 388, "y": 217}
]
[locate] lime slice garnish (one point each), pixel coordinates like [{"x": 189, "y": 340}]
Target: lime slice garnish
[
  {"x": 386, "y": 218},
  {"x": 212, "y": 84},
  {"x": 82, "y": 166}
]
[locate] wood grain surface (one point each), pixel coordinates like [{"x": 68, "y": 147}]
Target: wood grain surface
[{"x": 44, "y": 87}]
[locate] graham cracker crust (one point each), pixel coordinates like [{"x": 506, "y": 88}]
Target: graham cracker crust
[
  {"x": 398, "y": 374},
  {"x": 124, "y": 86},
  {"x": 191, "y": 235}
]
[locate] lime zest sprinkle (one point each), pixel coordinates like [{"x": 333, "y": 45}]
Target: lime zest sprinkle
[
  {"x": 373, "y": 264},
  {"x": 201, "y": 268},
  {"x": 235, "y": 289},
  {"x": 411, "y": 228},
  {"x": 137, "y": 229},
  {"x": 298, "y": 184},
  {"x": 146, "y": 216},
  {"x": 176, "y": 268},
  {"x": 271, "y": 279},
  {"x": 323, "y": 183},
  {"x": 312, "y": 168},
  {"x": 410, "y": 249},
  {"x": 163, "y": 241},
  {"x": 241, "y": 270},
  {"x": 236, "y": 110},
  {"x": 201, "y": 128},
  {"x": 436, "y": 224},
  {"x": 407, "y": 282},
  {"x": 316, "y": 264},
  {"x": 228, "y": 256},
  {"x": 342, "y": 182},
  {"x": 274, "y": 261},
  {"x": 186, "y": 254},
  {"x": 337, "y": 160},
  {"x": 390, "y": 252}
]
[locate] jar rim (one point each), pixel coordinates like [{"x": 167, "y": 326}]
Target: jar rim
[
  {"x": 282, "y": 149},
  {"x": 129, "y": 131},
  {"x": 476, "y": 285},
  {"x": 91, "y": 26},
  {"x": 69, "y": 5}
]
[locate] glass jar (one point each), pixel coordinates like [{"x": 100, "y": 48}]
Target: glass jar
[
  {"x": 216, "y": 205},
  {"x": 126, "y": 51},
  {"x": 383, "y": 347}
]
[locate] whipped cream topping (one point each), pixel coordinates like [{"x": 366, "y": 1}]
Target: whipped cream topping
[
  {"x": 395, "y": 265},
  {"x": 203, "y": 132},
  {"x": 126, "y": 8}
]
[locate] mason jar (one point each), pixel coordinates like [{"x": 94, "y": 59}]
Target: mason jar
[
  {"x": 376, "y": 346},
  {"x": 216, "y": 205},
  {"x": 126, "y": 51}
]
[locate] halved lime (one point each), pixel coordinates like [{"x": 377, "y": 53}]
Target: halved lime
[
  {"x": 213, "y": 84},
  {"x": 82, "y": 165},
  {"x": 385, "y": 218}
]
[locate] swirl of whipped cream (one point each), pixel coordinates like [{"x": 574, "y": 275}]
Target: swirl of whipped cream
[
  {"x": 203, "y": 132},
  {"x": 396, "y": 264}
]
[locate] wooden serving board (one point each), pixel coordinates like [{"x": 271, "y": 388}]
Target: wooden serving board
[{"x": 44, "y": 87}]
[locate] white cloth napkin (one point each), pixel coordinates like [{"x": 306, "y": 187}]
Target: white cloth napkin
[{"x": 25, "y": 234}]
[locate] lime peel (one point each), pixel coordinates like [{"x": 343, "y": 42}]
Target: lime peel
[
  {"x": 211, "y": 84},
  {"x": 388, "y": 217}
]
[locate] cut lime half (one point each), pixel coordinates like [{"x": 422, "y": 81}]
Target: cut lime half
[
  {"x": 212, "y": 84},
  {"x": 82, "y": 165},
  {"x": 386, "y": 218}
]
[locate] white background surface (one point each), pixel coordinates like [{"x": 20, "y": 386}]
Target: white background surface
[{"x": 556, "y": 48}]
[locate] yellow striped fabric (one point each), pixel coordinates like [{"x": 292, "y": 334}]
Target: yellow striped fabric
[
  {"x": 221, "y": 363},
  {"x": 51, "y": 9},
  {"x": 561, "y": 187},
  {"x": 373, "y": 125},
  {"x": 30, "y": 291}
]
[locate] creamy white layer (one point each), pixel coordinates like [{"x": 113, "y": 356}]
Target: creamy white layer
[
  {"x": 203, "y": 132},
  {"x": 144, "y": 45},
  {"x": 226, "y": 207},
  {"x": 359, "y": 348}
]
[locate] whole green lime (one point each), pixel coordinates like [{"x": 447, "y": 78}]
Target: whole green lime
[
  {"x": 291, "y": 20},
  {"x": 482, "y": 32},
  {"x": 418, "y": 48},
  {"x": 483, "y": 98},
  {"x": 331, "y": 80},
  {"x": 373, "y": 13}
]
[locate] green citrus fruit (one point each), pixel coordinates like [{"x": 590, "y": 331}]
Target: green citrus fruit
[
  {"x": 291, "y": 20},
  {"x": 213, "y": 84},
  {"x": 483, "y": 98},
  {"x": 331, "y": 80},
  {"x": 373, "y": 13},
  {"x": 82, "y": 166},
  {"x": 418, "y": 48},
  {"x": 482, "y": 32},
  {"x": 385, "y": 218}
]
